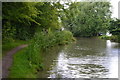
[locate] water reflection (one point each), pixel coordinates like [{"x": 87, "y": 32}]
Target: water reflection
[
  {"x": 78, "y": 68},
  {"x": 108, "y": 43},
  {"x": 112, "y": 49},
  {"x": 87, "y": 58}
]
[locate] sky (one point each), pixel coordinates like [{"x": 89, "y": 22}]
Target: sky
[{"x": 114, "y": 3}]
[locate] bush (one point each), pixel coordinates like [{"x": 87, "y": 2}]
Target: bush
[
  {"x": 105, "y": 37},
  {"x": 64, "y": 37},
  {"x": 43, "y": 41},
  {"x": 115, "y": 38}
]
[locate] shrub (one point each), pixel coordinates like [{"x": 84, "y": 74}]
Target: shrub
[
  {"x": 105, "y": 37},
  {"x": 115, "y": 38}
]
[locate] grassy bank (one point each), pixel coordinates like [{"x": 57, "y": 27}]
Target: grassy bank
[
  {"x": 21, "y": 67},
  {"x": 28, "y": 61},
  {"x": 8, "y": 45},
  {"x": 114, "y": 38}
]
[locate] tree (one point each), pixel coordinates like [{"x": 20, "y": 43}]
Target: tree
[
  {"x": 87, "y": 18},
  {"x": 48, "y": 16},
  {"x": 22, "y": 19},
  {"x": 17, "y": 19},
  {"x": 115, "y": 27}
]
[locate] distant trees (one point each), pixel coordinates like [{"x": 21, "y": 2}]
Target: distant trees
[
  {"x": 114, "y": 27},
  {"x": 22, "y": 19},
  {"x": 87, "y": 18}
]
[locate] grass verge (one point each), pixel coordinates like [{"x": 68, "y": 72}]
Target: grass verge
[
  {"x": 21, "y": 67},
  {"x": 7, "y": 46}
]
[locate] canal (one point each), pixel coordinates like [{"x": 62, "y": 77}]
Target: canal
[{"x": 85, "y": 58}]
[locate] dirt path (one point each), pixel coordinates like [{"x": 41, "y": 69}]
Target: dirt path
[{"x": 8, "y": 59}]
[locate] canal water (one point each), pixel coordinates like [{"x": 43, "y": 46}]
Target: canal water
[{"x": 85, "y": 58}]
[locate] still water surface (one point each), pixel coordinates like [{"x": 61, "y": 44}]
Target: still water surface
[{"x": 86, "y": 58}]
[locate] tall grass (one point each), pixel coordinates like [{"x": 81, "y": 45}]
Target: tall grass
[{"x": 43, "y": 41}]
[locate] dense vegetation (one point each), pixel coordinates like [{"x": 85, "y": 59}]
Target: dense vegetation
[
  {"x": 36, "y": 24},
  {"x": 87, "y": 18},
  {"x": 114, "y": 29},
  {"x": 39, "y": 24}
]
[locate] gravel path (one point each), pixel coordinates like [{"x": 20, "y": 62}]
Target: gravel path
[{"x": 8, "y": 59}]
